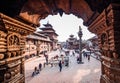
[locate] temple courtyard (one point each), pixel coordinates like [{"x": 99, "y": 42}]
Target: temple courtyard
[{"x": 88, "y": 72}]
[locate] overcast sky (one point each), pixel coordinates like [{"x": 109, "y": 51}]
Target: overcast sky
[{"x": 67, "y": 25}]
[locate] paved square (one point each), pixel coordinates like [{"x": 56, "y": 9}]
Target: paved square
[{"x": 89, "y": 72}]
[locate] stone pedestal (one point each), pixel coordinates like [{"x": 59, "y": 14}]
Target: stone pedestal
[
  {"x": 12, "y": 42},
  {"x": 107, "y": 27}
]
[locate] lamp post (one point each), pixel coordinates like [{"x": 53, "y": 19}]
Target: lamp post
[{"x": 80, "y": 45}]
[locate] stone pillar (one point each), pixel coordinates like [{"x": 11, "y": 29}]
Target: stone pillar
[
  {"x": 12, "y": 42},
  {"x": 107, "y": 28}
]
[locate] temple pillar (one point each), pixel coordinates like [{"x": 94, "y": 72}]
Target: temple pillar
[
  {"x": 107, "y": 28},
  {"x": 12, "y": 44}
]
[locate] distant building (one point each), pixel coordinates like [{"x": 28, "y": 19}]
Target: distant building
[
  {"x": 72, "y": 42},
  {"x": 50, "y": 32},
  {"x": 41, "y": 42}
]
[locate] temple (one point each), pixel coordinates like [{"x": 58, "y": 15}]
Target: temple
[
  {"x": 50, "y": 32},
  {"x": 72, "y": 43}
]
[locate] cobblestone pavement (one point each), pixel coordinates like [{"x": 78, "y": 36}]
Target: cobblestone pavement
[{"x": 89, "y": 72}]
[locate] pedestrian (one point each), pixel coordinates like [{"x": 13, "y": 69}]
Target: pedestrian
[
  {"x": 84, "y": 54},
  {"x": 46, "y": 57},
  {"x": 67, "y": 61},
  {"x": 73, "y": 53},
  {"x": 60, "y": 66},
  {"x": 62, "y": 58},
  {"x": 78, "y": 59},
  {"x": 88, "y": 57},
  {"x": 40, "y": 67}
]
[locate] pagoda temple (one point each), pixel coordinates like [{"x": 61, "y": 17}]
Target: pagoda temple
[
  {"x": 72, "y": 42},
  {"x": 48, "y": 30}
]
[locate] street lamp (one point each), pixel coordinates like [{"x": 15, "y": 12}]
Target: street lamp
[{"x": 80, "y": 45}]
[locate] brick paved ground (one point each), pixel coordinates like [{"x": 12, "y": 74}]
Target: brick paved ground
[{"x": 89, "y": 72}]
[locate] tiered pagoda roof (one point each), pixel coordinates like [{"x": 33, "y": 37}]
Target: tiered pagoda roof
[{"x": 48, "y": 29}]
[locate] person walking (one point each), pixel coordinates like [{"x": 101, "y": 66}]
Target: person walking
[
  {"x": 40, "y": 67},
  {"x": 60, "y": 65},
  {"x": 46, "y": 57},
  {"x": 78, "y": 59},
  {"x": 88, "y": 57}
]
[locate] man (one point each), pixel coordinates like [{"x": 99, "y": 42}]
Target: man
[{"x": 60, "y": 65}]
